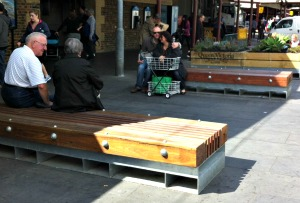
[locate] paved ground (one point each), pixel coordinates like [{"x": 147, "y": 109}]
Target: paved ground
[{"x": 262, "y": 151}]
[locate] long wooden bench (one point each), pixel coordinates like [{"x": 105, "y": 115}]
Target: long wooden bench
[
  {"x": 170, "y": 146},
  {"x": 230, "y": 81},
  {"x": 248, "y": 60}
]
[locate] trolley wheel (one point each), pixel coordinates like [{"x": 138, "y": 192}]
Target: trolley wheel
[
  {"x": 149, "y": 94},
  {"x": 168, "y": 96}
]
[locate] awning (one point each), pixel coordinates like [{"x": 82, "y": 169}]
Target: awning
[
  {"x": 268, "y": 1},
  {"x": 275, "y": 6}
]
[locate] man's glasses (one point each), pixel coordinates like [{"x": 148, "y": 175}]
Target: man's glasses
[{"x": 43, "y": 44}]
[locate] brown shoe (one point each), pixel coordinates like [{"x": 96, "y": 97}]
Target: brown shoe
[
  {"x": 144, "y": 90},
  {"x": 136, "y": 89}
]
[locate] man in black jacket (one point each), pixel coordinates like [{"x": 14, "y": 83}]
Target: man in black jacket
[
  {"x": 76, "y": 83},
  {"x": 200, "y": 28}
]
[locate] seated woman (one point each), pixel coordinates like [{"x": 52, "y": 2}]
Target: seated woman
[
  {"x": 164, "y": 50},
  {"x": 76, "y": 83},
  {"x": 294, "y": 40}
]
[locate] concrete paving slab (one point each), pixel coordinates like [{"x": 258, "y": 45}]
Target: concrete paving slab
[
  {"x": 261, "y": 163},
  {"x": 268, "y": 135},
  {"x": 293, "y": 139},
  {"x": 274, "y": 199}
]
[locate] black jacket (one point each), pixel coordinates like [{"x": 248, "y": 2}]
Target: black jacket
[
  {"x": 199, "y": 32},
  {"x": 76, "y": 85},
  {"x": 171, "y": 53},
  {"x": 40, "y": 27},
  {"x": 4, "y": 27}
]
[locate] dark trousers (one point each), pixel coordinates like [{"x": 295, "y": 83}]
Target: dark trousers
[
  {"x": 188, "y": 41},
  {"x": 88, "y": 46},
  {"x": 19, "y": 97}
]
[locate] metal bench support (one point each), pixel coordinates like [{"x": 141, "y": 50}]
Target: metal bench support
[{"x": 164, "y": 175}]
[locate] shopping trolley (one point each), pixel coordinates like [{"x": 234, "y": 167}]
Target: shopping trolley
[
  {"x": 163, "y": 84},
  {"x": 53, "y": 45}
]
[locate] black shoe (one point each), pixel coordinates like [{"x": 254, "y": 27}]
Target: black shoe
[
  {"x": 90, "y": 57},
  {"x": 41, "y": 105}
]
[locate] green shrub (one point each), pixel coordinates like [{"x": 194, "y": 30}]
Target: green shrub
[
  {"x": 277, "y": 43},
  {"x": 223, "y": 46}
]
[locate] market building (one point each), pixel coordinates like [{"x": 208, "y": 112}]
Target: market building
[{"x": 106, "y": 13}]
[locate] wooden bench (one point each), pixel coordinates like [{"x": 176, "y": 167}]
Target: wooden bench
[
  {"x": 248, "y": 60},
  {"x": 171, "y": 147},
  {"x": 241, "y": 82}
]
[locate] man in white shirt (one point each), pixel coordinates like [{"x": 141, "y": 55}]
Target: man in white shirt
[{"x": 24, "y": 82}]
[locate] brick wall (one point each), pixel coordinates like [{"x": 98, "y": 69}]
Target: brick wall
[
  {"x": 23, "y": 6},
  {"x": 109, "y": 29}
]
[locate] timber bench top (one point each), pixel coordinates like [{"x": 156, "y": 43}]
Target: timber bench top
[{"x": 187, "y": 142}]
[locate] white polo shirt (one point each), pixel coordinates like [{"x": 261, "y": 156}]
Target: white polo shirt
[{"x": 24, "y": 69}]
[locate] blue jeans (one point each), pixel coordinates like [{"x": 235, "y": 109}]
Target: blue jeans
[
  {"x": 143, "y": 75},
  {"x": 2, "y": 65},
  {"x": 19, "y": 97}
]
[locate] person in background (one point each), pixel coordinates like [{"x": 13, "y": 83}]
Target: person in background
[
  {"x": 179, "y": 32},
  {"x": 165, "y": 50},
  {"x": 216, "y": 27},
  {"x": 73, "y": 23},
  {"x": 89, "y": 29},
  {"x": 82, "y": 14},
  {"x": 24, "y": 82},
  {"x": 4, "y": 27},
  {"x": 147, "y": 28},
  {"x": 83, "y": 17},
  {"x": 200, "y": 28},
  {"x": 186, "y": 37},
  {"x": 36, "y": 25},
  {"x": 273, "y": 22},
  {"x": 294, "y": 40},
  {"x": 253, "y": 29},
  {"x": 144, "y": 73},
  {"x": 76, "y": 83},
  {"x": 261, "y": 29}
]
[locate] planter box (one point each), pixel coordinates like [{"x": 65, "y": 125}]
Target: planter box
[{"x": 247, "y": 59}]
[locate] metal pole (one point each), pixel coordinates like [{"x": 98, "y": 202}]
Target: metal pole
[
  {"x": 120, "y": 41},
  {"x": 195, "y": 19},
  {"x": 250, "y": 24},
  {"x": 285, "y": 10},
  {"x": 219, "y": 20},
  {"x": 238, "y": 16},
  {"x": 257, "y": 13},
  {"x": 280, "y": 13},
  {"x": 158, "y": 7}
]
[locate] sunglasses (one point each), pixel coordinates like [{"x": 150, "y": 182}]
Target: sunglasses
[{"x": 156, "y": 33}]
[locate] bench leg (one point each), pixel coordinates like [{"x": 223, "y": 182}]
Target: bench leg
[{"x": 210, "y": 168}]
